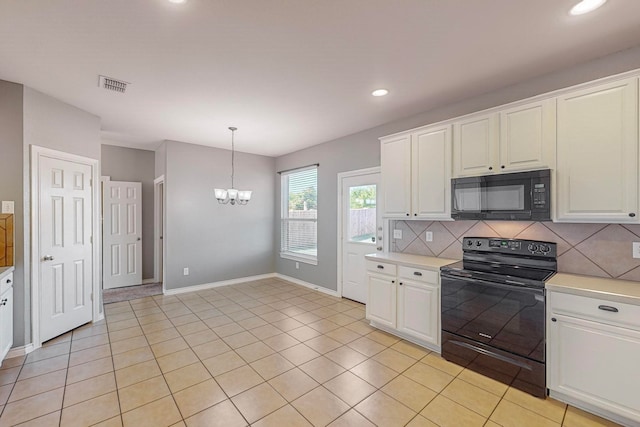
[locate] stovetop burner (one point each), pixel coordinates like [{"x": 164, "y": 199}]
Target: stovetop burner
[{"x": 510, "y": 261}]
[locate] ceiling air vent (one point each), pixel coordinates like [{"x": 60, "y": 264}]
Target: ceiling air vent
[{"x": 112, "y": 84}]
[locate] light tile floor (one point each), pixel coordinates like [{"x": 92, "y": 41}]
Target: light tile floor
[{"x": 265, "y": 353}]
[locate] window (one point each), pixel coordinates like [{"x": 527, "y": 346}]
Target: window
[{"x": 299, "y": 227}]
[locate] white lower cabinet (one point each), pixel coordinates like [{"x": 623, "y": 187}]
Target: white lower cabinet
[
  {"x": 592, "y": 355},
  {"x": 416, "y": 303},
  {"x": 381, "y": 304},
  {"x": 405, "y": 301},
  {"x": 6, "y": 315}
]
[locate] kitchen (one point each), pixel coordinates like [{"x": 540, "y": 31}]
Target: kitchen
[{"x": 600, "y": 248}]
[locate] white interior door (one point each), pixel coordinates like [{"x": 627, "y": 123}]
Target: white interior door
[
  {"x": 121, "y": 234},
  {"x": 361, "y": 233},
  {"x": 65, "y": 245}
]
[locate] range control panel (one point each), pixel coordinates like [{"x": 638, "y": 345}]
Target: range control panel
[{"x": 517, "y": 246}]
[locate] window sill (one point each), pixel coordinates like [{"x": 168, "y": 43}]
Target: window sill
[{"x": 299, "y": 258}]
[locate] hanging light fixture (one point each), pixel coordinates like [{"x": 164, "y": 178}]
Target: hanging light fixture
[{"x": 232, "y": 195}]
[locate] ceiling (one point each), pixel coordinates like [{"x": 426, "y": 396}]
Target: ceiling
[{"x": 289, "y": 73}]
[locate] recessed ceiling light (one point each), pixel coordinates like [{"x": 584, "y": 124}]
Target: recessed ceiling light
[
  {"x": 586, "y": 6},
  {"x": 380, "y": 92},
  {"x": 178, "y": 1}
]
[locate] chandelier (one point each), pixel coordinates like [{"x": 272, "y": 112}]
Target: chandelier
[{"x": 232, "y": 195}]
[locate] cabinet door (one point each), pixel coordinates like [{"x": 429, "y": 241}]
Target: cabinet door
[
  {"x": 431, "y": 177},
  {"x": 595, "y": 363},
  {"x": 528, "y": 136},
  {"x": 396, "y": 176},
  {"x": 6, "y": 322},
  {"x": 381, "y": 302},
  {"x": 597, "y": 174},
  {"x": 475, "y": 145},
  {"x": 419, "y": 310}
]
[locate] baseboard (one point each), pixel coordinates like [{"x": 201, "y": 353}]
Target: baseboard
[
  {"x": 206, "y": 286},
  {"x": 20, "y": 351},
  {"x": 212, "y": 285},
  {"x": 307, "y": 285}
]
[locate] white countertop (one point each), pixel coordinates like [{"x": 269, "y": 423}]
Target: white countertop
[
  {"x": 417, "y": 261},
  {"x": 624, "y": 291},
  {"x": 5, "y": 270}
]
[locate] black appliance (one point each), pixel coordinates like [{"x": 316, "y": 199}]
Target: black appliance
[
  {"x": 508, "y": 196},
  {"x": 493, "y": 310}
]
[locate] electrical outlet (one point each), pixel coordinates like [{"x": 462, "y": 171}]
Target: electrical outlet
[
  {"x": 7, "y": 207},
  {"x": 185, "y": 271},
  {"x": 636, "y": 250},
  {"x": 397, "y": 234},
  {"x": 297, "y": 265},
  {"x": 428, "y": 236}
]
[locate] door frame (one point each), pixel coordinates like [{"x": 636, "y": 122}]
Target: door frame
[
  {"x": 341, "y": 176},
  {"x": 159, "y": 230},
  {"x": 96, "y": 242}
]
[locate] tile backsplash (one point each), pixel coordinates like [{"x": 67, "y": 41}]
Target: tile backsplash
[{"x": 603, "y": 250}]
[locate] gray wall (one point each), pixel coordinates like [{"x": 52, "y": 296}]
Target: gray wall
[
  {"x": 133, "y": 165},
  {"x": 362, "y": 150},
  {"x": 216, "y": 242},
  {"x": 161, "y": 160},
  {"x": 11, "y": 108},
  {"x": 49, "y": 123}
]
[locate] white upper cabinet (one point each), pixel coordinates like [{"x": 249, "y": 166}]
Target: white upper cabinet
[
  {"x": 396, "y": 176},
  {"x": 517, "y": 138},
  {"x": 416, "y": 174},
  {"x": 597, "y": 173},
  {"x": 431, "y": 173},
  {"x": 475, "y": 145},
  {"x": 528, "y": 136}
]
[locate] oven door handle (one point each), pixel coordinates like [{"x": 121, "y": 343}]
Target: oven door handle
[
  {"x": 492, "y": 354},
  {"x": 514, "y": 287}
]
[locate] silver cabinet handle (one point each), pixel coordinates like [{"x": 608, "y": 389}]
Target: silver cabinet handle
[
  {"x": 379, "y": 248},
  {"x": 608, "y": 308},
  {"x": 4, "y": 301},
  {"x": 48, "y": 258}
]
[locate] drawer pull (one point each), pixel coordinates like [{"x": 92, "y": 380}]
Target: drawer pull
[
  {"x": 4, "y": 301},
  {"x": 381, "y": 267},
  {"x": 417, "y": 273},
  {"x": 608, "y": 308}
]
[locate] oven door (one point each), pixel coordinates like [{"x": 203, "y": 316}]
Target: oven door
[{"x": 508, "y": 317}]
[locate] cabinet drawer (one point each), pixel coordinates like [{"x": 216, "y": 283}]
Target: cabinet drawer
[
  {"x": 6, "y": 282},
  {"x": 418, "y": 274},
  {"x": 613, "y": 313},
  {"x": 381, "y": 267}
]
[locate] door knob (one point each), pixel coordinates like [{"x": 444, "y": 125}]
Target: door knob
[{"x": 48, "y": 258}]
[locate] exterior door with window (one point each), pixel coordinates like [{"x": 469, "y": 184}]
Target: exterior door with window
[{"x": 359, "y": 234}]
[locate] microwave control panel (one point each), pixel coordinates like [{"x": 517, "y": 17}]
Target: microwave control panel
[{"x": 539, "y": 195}]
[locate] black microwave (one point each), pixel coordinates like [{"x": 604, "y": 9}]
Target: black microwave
[{"x": 507, "y": 196}]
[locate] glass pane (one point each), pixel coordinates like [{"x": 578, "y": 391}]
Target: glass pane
[
  {"x": 300, "y": 237},
  {"x": 505, "y": 198},
  {"x": 362, "y": 214}
]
